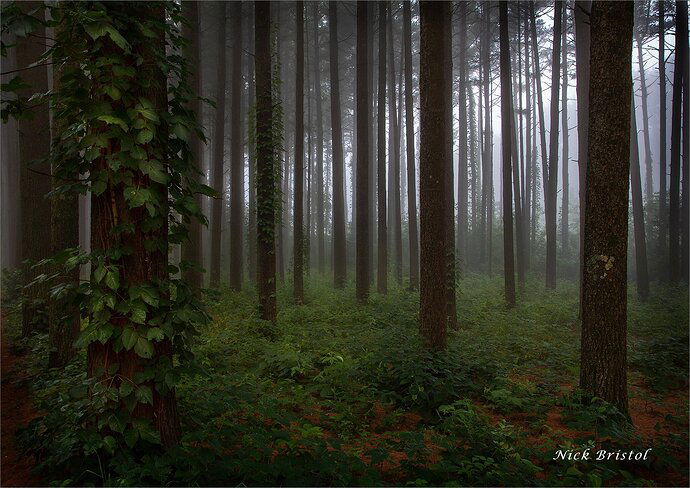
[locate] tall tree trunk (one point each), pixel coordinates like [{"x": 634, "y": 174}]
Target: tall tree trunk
[
  {"x": 684, "y": 217},
  {"x": 679, "y": 67},
  {"x": 663, "y": 211},
  {"x": 516, "y": 195},
  {"x": 65, "y": 320},
  {"x": 251, "y": 152},
  {"x": 111, "y": 210},
  {"x": 528, "y": 152},
  {"x": 506, "y": 142},
  {"x": 394, "y": 156},
  {"x": 339, "y": 256},
  {"x": 433, "y": 167},
  {"x": 362, "y": 245},
  {"x": 34, "y": 150},
  {"x": 320, "y": 215},
  {"x": 451, "y": 306},
  {"x": 191, "y": 249},
  {"x": 265, "y": 164},
  {"x": 218, "y": 152},
  {"x": 372, "y": 144},
  {"x": 645, "y": 113},
  {"x": 551, "y": 182},
  {"x": 382, "y": 261},
  {"x": 582, "y": 44},
  {"x": 461, "y": 245},
  {"x": 236, "y": 156},
  {"x": 565, "y": 162},
  {"x": 641, "y": 273},
  {"x": 409, "y": 146},
  {"x": 298, "y": 248},
  {"x": 603, "y": 368}
]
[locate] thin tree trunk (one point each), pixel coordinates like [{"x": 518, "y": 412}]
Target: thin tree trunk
[
  {"x": 684, "y": 217},
  {"x": 433, "y": 171},
  {"x": 529, "y": 176},
  {"x": 236, "y": 157},
  {"x": 648, "y": 183},
  {"x": 362, "y": 247},
  {"x": 320, "y": 215},
  {"x": 663, "y": 211},
  {"x": 461, "y": 244},
  {"x": 298, "y": 248},
  {"x": 382, "y": 261},
  {"x": 551, "y": 181},
  {"x": 409, "y": 146},
  {"x": 603, "y": 368},
  {"x": 218, "y": 152},
  {"x": 251, "y": 151},
  {"x": 641, "y": 273},
  {"x": 679, "y": 68},
  {"x": 191, "y": 249},
  {"x": 565, "y": 162},
  {"x": 265, "y": 164},
  {"x": 582, "y": 45},
  {"x": 506, "y": 142}
]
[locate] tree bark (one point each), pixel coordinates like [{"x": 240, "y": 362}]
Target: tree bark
[
  {"x": 339, "y": 252},
  {"x": 551, "y": 182},
  {"x": 641, "y": 273},
  {"x": 236, "y": 156},
  {"x": 506, "y": 151},
  {"x": 529, "y": 175},
  {"x": 362, "y": 247},
  {"x": 218, "y": 152},
  {"x": 251, "y": 153},
  {"x": 684, "y": 217},
  {"x": 451, "y": 305},
  {"x": 679, "y": 68},
  {"x": 645, "y": 116},
  {"x": 663, "y": 211},
  {"x": 265, "y": 164},
  {"x": 298, "y": 248},
  {"x": 582, "y": 45},
  {"x": 433, "y": 171},
  {"x": 320, "y": 215},
  {"x": 604, "y": 322},
  {"x": 565, "y": 162},
  {"x": 461, "y": 244},
  {"x": 410, "y": 148},
  {"x": 382, "y": 260},
  {"x": 34, "y": 151},
  {"x": 191, "y": 249}
]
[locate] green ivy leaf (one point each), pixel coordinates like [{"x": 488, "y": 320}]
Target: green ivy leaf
[
  {"x": 112, "y": 279},
  {"x": 138, "y": 315},
  {"x": 126, "y": 388},
  {"x": 144, "y": 136},
  {"x": 111, "y": 119},
  {"x": 155, "y": 333},
  {"x": 144, "y": 348},
  {"x": 99, "y": 274},
  {"x": 145, "y": 395},
  {"x": 113, "y": 92},
  {"x": 131, "y": 437},
  {"x": 129, "y": 338},
  {"x": 155, "y": 170}
]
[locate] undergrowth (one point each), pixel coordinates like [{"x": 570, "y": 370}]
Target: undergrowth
[{"x": 337, "y": 393}]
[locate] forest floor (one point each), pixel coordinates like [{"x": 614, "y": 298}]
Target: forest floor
[
  {"x": 343, "y": 394},
  {"x": 17, "y": 412}
]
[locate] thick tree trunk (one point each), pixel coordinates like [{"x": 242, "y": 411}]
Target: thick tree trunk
[
  {"x": 382, "y": 261},
  {"x": 265, "y": 164},
  {"x": 434, "y": 165},
  {"x": 362, "y": 245},
  {"x": 111, "y": 210},
  {"x": 685, "y": 205},
  {"x": 236, "y": 156},
  {"x": 409, "y": 146},
  {"x": 506, "y": 151},
  {"x": 679, "y": 68},
  {"x": 565, "y": 162},
  {"x": 582, "y": 44},
  {"x": 298, "y": 248},
  {"x": 218, "y": 152},
  {"x": 372, "y": 145},
  {"x": 251, "y": 153},
  {"x": 604, "y": 322},
  {"x": 641, "y": 273},
  {"x": 34, "y": 150},
  {"x": 463, "y": 184},
  {"x": 191, "y": 249},
  {"x": 551, "y": 182}
]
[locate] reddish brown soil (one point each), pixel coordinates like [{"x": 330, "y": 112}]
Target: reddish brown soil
[{"x": 17, "y": 412}]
